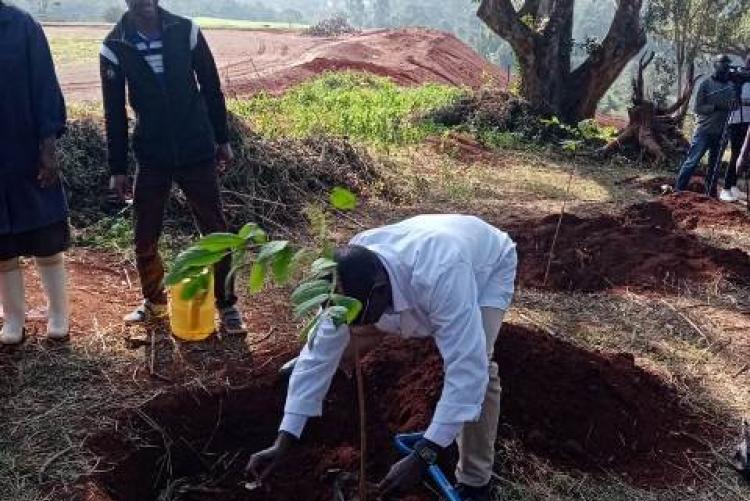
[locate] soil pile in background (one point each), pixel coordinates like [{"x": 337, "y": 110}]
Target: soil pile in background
[
  {"x": 576, "y": 408},
  {"x": 271, "y": 180},
  {"x": 251, "y": 61},
  {"x": 411, "y": 56},
  {"x": 690, "y": 210},
  {"x": 642, "y": 247}
]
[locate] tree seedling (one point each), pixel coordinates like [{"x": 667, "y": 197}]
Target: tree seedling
[{"x": 315, "y": 298}]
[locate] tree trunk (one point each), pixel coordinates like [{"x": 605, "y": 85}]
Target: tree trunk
[{"x": 540, "y": 33}]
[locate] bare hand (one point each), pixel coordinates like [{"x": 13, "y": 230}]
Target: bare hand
[
  {"x": 224, "y": 156},
  {"x": 262, "y": 463},
  {"x": 119, "y": 185},
  {"x": 49, "y": 173}
]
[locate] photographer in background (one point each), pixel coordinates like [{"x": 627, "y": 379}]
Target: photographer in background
[
  {"x": 716, "y": 98},
  {"x": 738, "y": 127}
]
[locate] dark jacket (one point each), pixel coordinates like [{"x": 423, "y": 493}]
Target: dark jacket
[
  {"x": 713, "y": 103},
  {"x": 179, "y": 121},
  {"x": 31, "y": 109}
]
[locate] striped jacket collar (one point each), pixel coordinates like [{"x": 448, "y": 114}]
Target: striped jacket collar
[{"x": 126, "y": 30}]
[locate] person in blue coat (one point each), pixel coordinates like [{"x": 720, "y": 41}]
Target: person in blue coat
[{"x": 33, "y": 209}]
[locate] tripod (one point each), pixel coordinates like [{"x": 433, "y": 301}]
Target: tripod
[{"x": 716, "y": 168}]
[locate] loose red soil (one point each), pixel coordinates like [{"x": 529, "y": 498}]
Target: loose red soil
[
  {"x": 579, "y": 409},
  {"x": 644, "y": 247},
  {"x": 273, "y": 61},
  {"x": 96, "y": 279},
  {"x": 690, "y": 210}
]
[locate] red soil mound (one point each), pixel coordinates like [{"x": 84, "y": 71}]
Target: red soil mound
[
  {"x": 410, "y": 56},
  {"x": 273, "y": 61},
  {"x": 576, "y": 408},
  {"x": 642, "y": 247},
  {"x": 690, "y": 210},
  {"x": 594, "y": 410}
]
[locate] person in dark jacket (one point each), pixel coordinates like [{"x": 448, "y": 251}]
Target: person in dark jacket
[
  {"x": 715, "y": 100},
  {"x": 33, "y": 209},
  {"x": 180, "y": 137}
]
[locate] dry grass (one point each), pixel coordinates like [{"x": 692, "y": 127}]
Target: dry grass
[
  {"x": 536, "y": 480},
  {"x": 54, "y": 398}
]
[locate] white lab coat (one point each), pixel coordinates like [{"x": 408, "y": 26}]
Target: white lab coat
[{"x": 443, "y": 269}]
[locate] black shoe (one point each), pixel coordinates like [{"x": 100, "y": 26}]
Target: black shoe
[{"x": 468, "y": 493}]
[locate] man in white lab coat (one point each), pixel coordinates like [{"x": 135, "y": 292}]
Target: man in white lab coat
[{"x": 449, "y": 277}]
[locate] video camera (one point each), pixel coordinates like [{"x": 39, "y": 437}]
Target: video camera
[{"x": 739, "y": 75}]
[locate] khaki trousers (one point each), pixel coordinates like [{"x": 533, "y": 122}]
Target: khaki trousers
[{"x": 476, "y": 442}]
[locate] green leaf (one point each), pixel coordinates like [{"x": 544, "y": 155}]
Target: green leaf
[
  {"x": 311, "y": 304},
  {"x": 323, "y": 266},
  {"x": 253, "y": 232},
  {"x": 309, "y": 290},
  {"x": 220, "y": 242},
  {"x": 177, "y": 275},
  {"x": 269, "y": 250},
  {"x": 282, "y": 265},
  {"x": 353, "y": 306},
  {"x": 257, "y": 277},
  {"x": 343, "y": 199},
  {"x": 196, "y": 286},
  {"x": 195, "y": 256},
  {"x": 338, "y": 314},
  {"x": 310, "y": 329},
  {"x": 571, "y": 145}
]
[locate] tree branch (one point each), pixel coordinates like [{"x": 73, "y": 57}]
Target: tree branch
[
  {"x": 501, "y": 17},
  {"x": 626, "y": 37},
  {"x": 530, "y": 8}
]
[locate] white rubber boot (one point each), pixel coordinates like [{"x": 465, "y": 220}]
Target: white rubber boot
[
  {"x": 55, "y": 282},
  {"x": 14, "y": 305},
  {"x": 727, "y": 196}
]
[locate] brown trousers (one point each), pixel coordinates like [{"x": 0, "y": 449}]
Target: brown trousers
[{"x": 201, "y": 188}]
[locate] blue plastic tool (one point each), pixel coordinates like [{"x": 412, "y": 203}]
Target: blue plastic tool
[{"x": 405, "y": 445}]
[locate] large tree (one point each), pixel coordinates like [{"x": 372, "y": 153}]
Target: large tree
[{"x": 541, "y": 34}]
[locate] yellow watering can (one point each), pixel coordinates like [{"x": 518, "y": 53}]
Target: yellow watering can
[{"x": 193, "y": 319}]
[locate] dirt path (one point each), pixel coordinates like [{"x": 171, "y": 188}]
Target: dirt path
[{"x": 251, "y": 61}]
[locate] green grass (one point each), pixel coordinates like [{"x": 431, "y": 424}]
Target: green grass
[
  {"x": 67, "y": 50},
  {"x": 242, "y": 24},
  {"x": 364, "y": 107}
]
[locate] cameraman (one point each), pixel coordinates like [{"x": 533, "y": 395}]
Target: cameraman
[
  {"x": 716, "y": 98},
  {"x": 738, "y": 127}
]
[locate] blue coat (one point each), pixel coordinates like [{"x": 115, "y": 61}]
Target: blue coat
[{"x": 31, "y": 108}]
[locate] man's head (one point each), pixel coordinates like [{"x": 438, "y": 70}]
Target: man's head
[
  {"x": 145, "y": 9},
  {"x": 362, "y": 276},
  {"x": 722, "y": 64}
]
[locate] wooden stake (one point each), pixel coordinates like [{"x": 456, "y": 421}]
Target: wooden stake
[{"x": 362, "y": 423}]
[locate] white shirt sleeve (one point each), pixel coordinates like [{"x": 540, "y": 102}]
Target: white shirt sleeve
[
  {"x": 456, "y": 316},
  {"x": 443, "y": 434},
  {"x": 294, "y": 424},
  {"x": 312, "y": 375}
]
